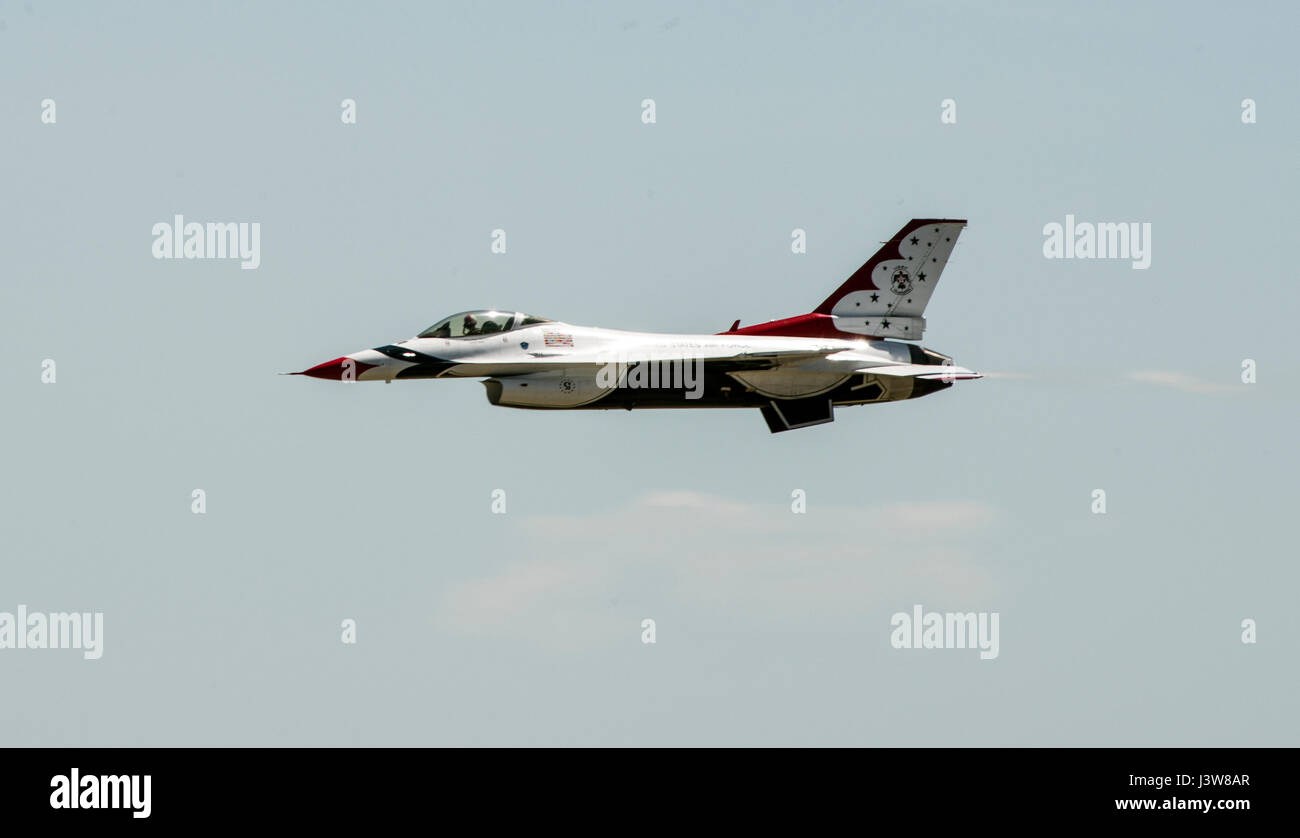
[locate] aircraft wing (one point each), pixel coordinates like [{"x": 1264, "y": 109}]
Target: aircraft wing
[
  {"x": 720, "y": 358},
  {"x": 794, "y": 360}
]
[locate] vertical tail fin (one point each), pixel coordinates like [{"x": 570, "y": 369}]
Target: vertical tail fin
[
  {"x": 884, "y": 298},
  {"x": 888, "y": 294}
]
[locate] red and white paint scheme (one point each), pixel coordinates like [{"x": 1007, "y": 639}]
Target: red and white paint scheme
[{"x": 850, "y": 350}]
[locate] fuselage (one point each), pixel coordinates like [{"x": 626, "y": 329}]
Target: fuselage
[
  {"x": 857, "y": 346},
  {"x": 565, "y": 366},
  {"x": 519, "y": 351}
]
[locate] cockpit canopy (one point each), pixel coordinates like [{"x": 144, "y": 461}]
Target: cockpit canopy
[{"x": 472, "y": 324}]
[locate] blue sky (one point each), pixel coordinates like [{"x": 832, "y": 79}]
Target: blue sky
[{"x": 372, "y": 502}]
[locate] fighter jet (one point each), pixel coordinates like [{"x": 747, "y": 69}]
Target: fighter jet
[{"x": 854, "y": 348}]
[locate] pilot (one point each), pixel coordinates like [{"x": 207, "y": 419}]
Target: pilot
[{"x": 471, "y": 325}]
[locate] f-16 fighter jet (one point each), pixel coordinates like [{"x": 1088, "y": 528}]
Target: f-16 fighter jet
[{"x": 849, "y": 350}]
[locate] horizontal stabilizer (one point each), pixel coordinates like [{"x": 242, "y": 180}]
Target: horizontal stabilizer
[{"x": 944, "y": 372}]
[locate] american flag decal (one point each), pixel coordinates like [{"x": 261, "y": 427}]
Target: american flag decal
[{"x": 557, "y": 339}]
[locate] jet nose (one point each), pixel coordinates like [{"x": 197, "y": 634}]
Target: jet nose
[{"x": 340, "y": 369}]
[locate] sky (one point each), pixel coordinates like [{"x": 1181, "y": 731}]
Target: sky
[{"x": 326, "y": 503}]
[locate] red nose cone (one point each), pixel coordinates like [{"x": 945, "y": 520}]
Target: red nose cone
[{"x": 340, "y": 369}]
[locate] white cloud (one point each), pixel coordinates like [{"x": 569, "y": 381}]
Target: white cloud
[
  {"x": 585, "y": 580},
  {"x": 917, "y": 518}
]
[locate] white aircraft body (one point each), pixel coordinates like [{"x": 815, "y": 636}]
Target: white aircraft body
[{"x": 850, "y": 350}]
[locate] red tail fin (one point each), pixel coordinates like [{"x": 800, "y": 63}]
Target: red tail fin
[
  {"x": 887, "y": 295},
  {"x": 901, "y": 276}
]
